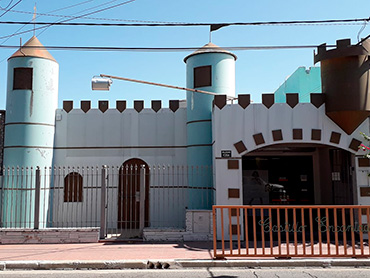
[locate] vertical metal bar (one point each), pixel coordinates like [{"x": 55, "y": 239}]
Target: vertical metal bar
[
  {"x": 319, "y": 230},
  {"x": 230, "y": 232},
  {"x": 311, "y": 232},
  {"x": 303, "y": 232},
  {"x": 222, "y": 232},
  {"x": 246, "y": 231},
  {"x": 103, "y": 204},
  {"x": 262, "y": 231},
  {"x": 368, "y": 229},
  {"x": 238, "y": 225},
  {"x": 37, "y": 198},
  {"x": 279, "y": 235},
  {"x": 270, "y": 230},
  {"x": 21, "y": 201},
  {"x": 254, "y": 231},
  {"x": 287, "y": 231},
  {"x": 336, "y": 232},
  {"x": 352, "y": 232},
  {"x": 142, "y": 198},
  {"x": 214, "y": 231},
  {"x": 360, "y": 230},
  {"x": 344, "y": 230},
  {"x": 295, "y": 231},
  {"x": 327, "y": 229}
]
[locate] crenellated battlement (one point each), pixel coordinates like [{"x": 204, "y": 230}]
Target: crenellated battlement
[
  {"x": 121, "y": 105},
  {"x": 268, "y": 100},
  {"x": 343, "y": 48}
]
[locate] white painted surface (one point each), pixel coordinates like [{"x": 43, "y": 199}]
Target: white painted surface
[
  {"x": 111, "y": 138},
  {"x": 233, "y": 124}
]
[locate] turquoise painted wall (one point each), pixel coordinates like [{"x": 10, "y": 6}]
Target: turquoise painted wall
[
  {"x": 29, "y": 137},
  {"x": 303, "y": 81},
  {"x": 199, "y": 125}
]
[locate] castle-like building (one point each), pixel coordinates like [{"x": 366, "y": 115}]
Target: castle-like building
[{"x": 306, "y": 145}]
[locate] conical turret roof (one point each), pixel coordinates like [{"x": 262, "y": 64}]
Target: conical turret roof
[
  {"x": 210, "y": 48},
  {"x": 33, "y": 48}
]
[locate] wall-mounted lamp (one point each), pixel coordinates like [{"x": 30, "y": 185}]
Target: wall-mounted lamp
[
  {"x": 103, "y": 82},
  {"x": 99, "y": 83}
]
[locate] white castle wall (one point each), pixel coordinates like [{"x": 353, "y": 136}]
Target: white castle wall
[
  {"x": 110, "y": 138},
  {"x": 95, "y": 138},
  {"x": 233, "y": 123}
]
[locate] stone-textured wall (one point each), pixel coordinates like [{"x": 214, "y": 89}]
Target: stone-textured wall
[
  {"x": 30, "y": 236},
  {"x": 198, "y": 228}
]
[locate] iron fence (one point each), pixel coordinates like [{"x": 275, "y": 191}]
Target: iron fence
[
  {"x": 122, "y": 200},
  {"x": 291, "y": 231}
]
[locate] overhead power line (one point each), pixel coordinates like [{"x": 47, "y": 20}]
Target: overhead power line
[
  {"x": 163, "y": 49},
  {"x": 224, "y": 24},
  {"x": 64, "y": 21}
]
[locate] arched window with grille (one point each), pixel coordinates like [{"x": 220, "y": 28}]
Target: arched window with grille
[{"x": 73, "y": 187}]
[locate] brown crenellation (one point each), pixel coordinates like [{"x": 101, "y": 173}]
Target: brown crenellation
[
  {"x": 85, "y": 105},
  {"x": 174, "y": 105},
  {"x": 138, "y": 105},
  {"x": 292, "y": 99},
  {"x": 268, "y": 100},
  {"x": 156, "y": 105},
  {"x": 103, "y": 105},
  {"x": 121, "y": 105},
  {"x": 244, "y": 100},
  {"x": 317, "y": 99},
  {"x": 220, "y": 101},
  {"x": 67, "y": 105}
]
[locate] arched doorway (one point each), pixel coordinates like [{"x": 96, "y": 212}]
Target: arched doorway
[
  {"x": 133, "y": 206},
  {"x": 298, "y": 174}
]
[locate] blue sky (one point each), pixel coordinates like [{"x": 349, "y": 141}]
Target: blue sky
[{"x": 256, "y": 71}]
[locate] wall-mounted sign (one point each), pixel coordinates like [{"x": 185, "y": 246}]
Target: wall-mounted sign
[{"x": 226, "y": 153}]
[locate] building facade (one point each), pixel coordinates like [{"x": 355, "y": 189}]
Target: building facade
[{"x": 296, "y": 147}]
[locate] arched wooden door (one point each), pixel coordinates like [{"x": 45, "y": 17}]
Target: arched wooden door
[{"x": 129, "y": 195}]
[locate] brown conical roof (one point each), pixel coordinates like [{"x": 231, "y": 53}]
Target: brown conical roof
[
  {"x": 33, "y": 48},
  {"x": 210, "y": 48}
]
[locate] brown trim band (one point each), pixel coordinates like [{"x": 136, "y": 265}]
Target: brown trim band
[
  {"x": 219, "y": 157},
  {"x": 121, "y": 147},
  {"x": 25, "y": 123},
  {"x": 27, "y": 147},
  {"x": 199, "y": 121},
  {"x": 200, "y": 145},
  {"x": 111, "y": 147}
]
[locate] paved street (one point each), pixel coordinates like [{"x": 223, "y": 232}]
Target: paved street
[{"x": 195, "y": 273}]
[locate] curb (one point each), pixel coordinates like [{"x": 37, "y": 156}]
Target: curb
[
  {"x": 180, "y": 264},
  {"x": 73, "y": 265}
]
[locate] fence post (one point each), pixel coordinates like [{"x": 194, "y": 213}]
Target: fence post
[
  {"x": 37, "y": 198},
  {"x": 142, "y": 198},
  {"x": 103, "y": 206}
]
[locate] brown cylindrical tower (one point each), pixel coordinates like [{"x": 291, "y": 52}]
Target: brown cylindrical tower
[{"x": 345, "y": 82}]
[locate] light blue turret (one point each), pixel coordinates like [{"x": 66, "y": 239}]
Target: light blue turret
[
  {"x": 212, "y": 69},
  {"x": 32, "y": 98}
]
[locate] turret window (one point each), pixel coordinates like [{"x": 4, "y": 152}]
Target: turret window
[
  {"x": 22, "y": 79},
  {"x": 202, "y": 76}
]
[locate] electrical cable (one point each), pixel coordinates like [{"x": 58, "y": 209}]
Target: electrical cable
[
  {"x": 8, "y": 10},
  {"x": 37, "y": 16},
  {"x": 163, "y": 49},
  {"x": 303, "y": 22},
  {"x": 53, "y": 23}
]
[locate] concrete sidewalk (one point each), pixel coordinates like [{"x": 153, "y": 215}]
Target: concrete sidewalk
[{"x": 108, "y": 255}]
